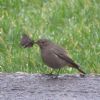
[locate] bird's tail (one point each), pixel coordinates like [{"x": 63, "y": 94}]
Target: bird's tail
[
  {"x": 71, "y": 63},
  {"x": 78, "y": 68},
  {"x": 81, "y": 70}
]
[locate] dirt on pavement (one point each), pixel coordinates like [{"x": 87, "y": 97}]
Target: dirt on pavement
[{"x": 23, "y": 86}]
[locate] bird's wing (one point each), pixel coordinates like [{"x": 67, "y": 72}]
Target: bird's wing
[{"x": 61, "y": 53}]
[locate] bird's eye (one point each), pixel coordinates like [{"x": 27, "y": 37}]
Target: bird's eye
[{"x": 43, "y": 42}]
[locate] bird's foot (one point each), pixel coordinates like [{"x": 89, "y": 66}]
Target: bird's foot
[
  {"x": 53, "y": 76},
  {"x": 50, "y": 74},
  {"x": 82, "y": 75}
]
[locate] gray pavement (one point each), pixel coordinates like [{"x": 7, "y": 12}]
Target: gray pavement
[{"x": 23, "y": 86}]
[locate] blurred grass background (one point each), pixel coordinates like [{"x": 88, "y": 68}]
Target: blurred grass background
[{"x": 74, "y": 24}]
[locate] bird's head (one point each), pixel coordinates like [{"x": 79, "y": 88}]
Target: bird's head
[{"x": 43, "y": 43}]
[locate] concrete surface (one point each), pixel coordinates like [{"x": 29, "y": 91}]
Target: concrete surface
[{"x": 23, "y": 86}]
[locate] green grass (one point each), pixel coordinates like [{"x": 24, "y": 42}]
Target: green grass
[{"x": 74, "y": 24}]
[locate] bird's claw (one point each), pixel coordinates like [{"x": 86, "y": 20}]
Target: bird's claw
[{"x": 54, "y": 76}]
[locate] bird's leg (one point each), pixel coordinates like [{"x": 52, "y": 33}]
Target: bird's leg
[
  {"x": 58, "y": 71},
  {"x": 49, "y": 74},
  {"x": 56, "y": 75}
]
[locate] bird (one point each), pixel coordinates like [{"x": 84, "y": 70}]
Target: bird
[{"x": 53, "y": 55}]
